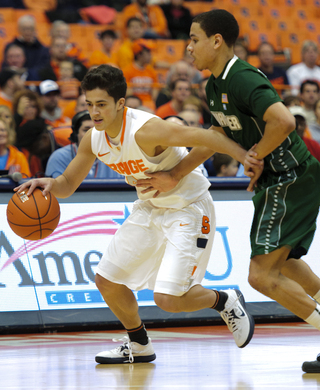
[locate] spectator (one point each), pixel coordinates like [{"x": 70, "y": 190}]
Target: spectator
[
  {"x": 309, "y": 94},
  {"x": 179, "y": 19},
  {"x": 37, "y": 143},
  {"x": 301, "y": 125},
  {"x": 75, "y": 105},
  {"x": 152, "y": 17},
  {"x": 275, "y": 74},
  {"x": 140, "y": 74},
  {"x": 69, "y": 85},
  {"x": 61, "y": 29},
  {"x": 133, "y": 101},
  {"x": 7, "y": 116},
  {"x": 58, "y": 53},
  {"x": 106, "y": 55},
  {"x": 60, "y": 159},
  {"x": 52, "y": 113},
  {"x": 180, "y": 90},
  {"x": 37, "y": 55},
  {"x": 26, "y": 106},
  {"x": 305, "y": 70},
  {"x": 10, "y": 82},
  {"x": 225, "y": 165},
  {"x": 134, "y": 31},
  {"x": 314, "y": 127},
  {"x": 240, "y": 50},
  {"x": 11, "y": 159},
  {"x": 179, "y": 70},
  {"x": 193, "y": 118},
  {"x": 182, "y": 122},
  {"x": 193, "y": 103},
  {"x": 292, "y": 100},
  {"x": 206, "y": 114}
]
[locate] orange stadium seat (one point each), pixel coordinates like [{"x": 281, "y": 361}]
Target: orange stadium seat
[
  {"x": 309, "y": 26},
  {"x": 90, "y": 37},
  {"x": 253, "y": 25},
  {"x": 281, "y": 25},
  {"x": 293, "y": 42},
  {"x": 7, "y": 15},
  {"x": 255, "y": 38},
  {"x": 314, "y": 5},
  {"x": 277, "y": 12},
  {"x": 40, "y": 16},
  {"x": 169, "y": 50},
  {"x": 197, "y": 7}
]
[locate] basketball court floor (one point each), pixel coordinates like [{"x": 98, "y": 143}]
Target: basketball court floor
[{"x": 187, "y": 358}]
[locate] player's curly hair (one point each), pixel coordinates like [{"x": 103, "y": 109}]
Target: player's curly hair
[
  {"x": 108, "y": 78},
  {"x": 219, "y": 21}
]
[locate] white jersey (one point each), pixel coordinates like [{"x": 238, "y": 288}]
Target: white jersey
[{"x": 129, "y": 160}]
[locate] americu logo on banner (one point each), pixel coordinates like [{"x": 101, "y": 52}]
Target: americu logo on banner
[{"x": 58, "y": 272}]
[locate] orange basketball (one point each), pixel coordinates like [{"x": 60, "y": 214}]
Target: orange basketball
[{"x": 33, "y": 217}]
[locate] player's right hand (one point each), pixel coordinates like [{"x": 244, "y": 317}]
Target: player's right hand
[{"x": 44, "y": 183}]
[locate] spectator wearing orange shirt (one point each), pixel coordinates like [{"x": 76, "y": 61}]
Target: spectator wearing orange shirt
[
  {"x": 69, "y": 85},
  {"x": 134, "y": 31},
  {"x": 180, "y": 91},
  {"x": 106, "y": 55},
  {"x": 140, "y": 75},
  {"x": 152, "y": 16},
  {"x": 10, "y": 82}
]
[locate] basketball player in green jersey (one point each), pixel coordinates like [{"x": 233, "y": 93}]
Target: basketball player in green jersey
[{"x": 246, "y": 108}]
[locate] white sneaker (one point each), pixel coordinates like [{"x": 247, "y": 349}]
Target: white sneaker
[
  {"x": 239, "y": 321},
  {"x": 128, "y": 352}
]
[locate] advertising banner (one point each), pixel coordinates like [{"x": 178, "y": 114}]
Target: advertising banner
[{"x": 58, "y": 271}]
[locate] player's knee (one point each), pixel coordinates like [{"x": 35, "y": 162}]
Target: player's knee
[
  {"x": 167, "y": 302},
  {"x": 103, "y": 285}
]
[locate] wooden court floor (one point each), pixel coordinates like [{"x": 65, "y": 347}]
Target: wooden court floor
[{"x": 187, "y": 358}]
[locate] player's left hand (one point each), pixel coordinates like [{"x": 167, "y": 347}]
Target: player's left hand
[
  {"x": 253, "y": 168},
  {"x": 158, "y": 181}
]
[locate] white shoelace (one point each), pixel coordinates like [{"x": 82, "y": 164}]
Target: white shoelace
[{"x": 126, "y": 345}]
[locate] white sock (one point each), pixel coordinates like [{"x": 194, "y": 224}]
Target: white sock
[
  {"x": 314, "y": 318},
  {"x": 317, "y": 297}
]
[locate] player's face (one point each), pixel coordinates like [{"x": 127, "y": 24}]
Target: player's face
[
  {"x": 102, "y": 108},
  {"x": 200, "y": 47}
]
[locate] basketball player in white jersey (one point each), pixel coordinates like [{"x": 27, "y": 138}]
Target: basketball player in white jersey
[{"x": 165, "y": 244}]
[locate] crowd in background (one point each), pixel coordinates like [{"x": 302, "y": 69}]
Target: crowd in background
[{"x": 43, "y": 111}]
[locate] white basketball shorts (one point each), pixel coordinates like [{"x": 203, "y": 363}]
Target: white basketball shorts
[{"x": 165, "y": 250}]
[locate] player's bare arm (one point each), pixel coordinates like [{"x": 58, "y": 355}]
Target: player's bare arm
[
  {"x": 65, "y": 184},
  {"x": 279, "y": 124},
  {"x": 157, "y": 135},
  {"x": 166, "y": 181}
]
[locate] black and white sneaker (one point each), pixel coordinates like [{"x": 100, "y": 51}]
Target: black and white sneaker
[
  {"x": 312, "y": 367},
  {"x": 239, "y": 321},
  {"x": 128, "y": 352}
]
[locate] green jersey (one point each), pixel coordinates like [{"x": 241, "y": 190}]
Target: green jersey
[
  {"x": 287, "y": 195},
  {"x": 238, "y": 99}
]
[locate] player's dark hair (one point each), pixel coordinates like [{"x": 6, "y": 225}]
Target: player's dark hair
[
  {"x": 219, "y": 21},
  {"x": 108, "y": 78},
  {"x": 310, "y": 82}
]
